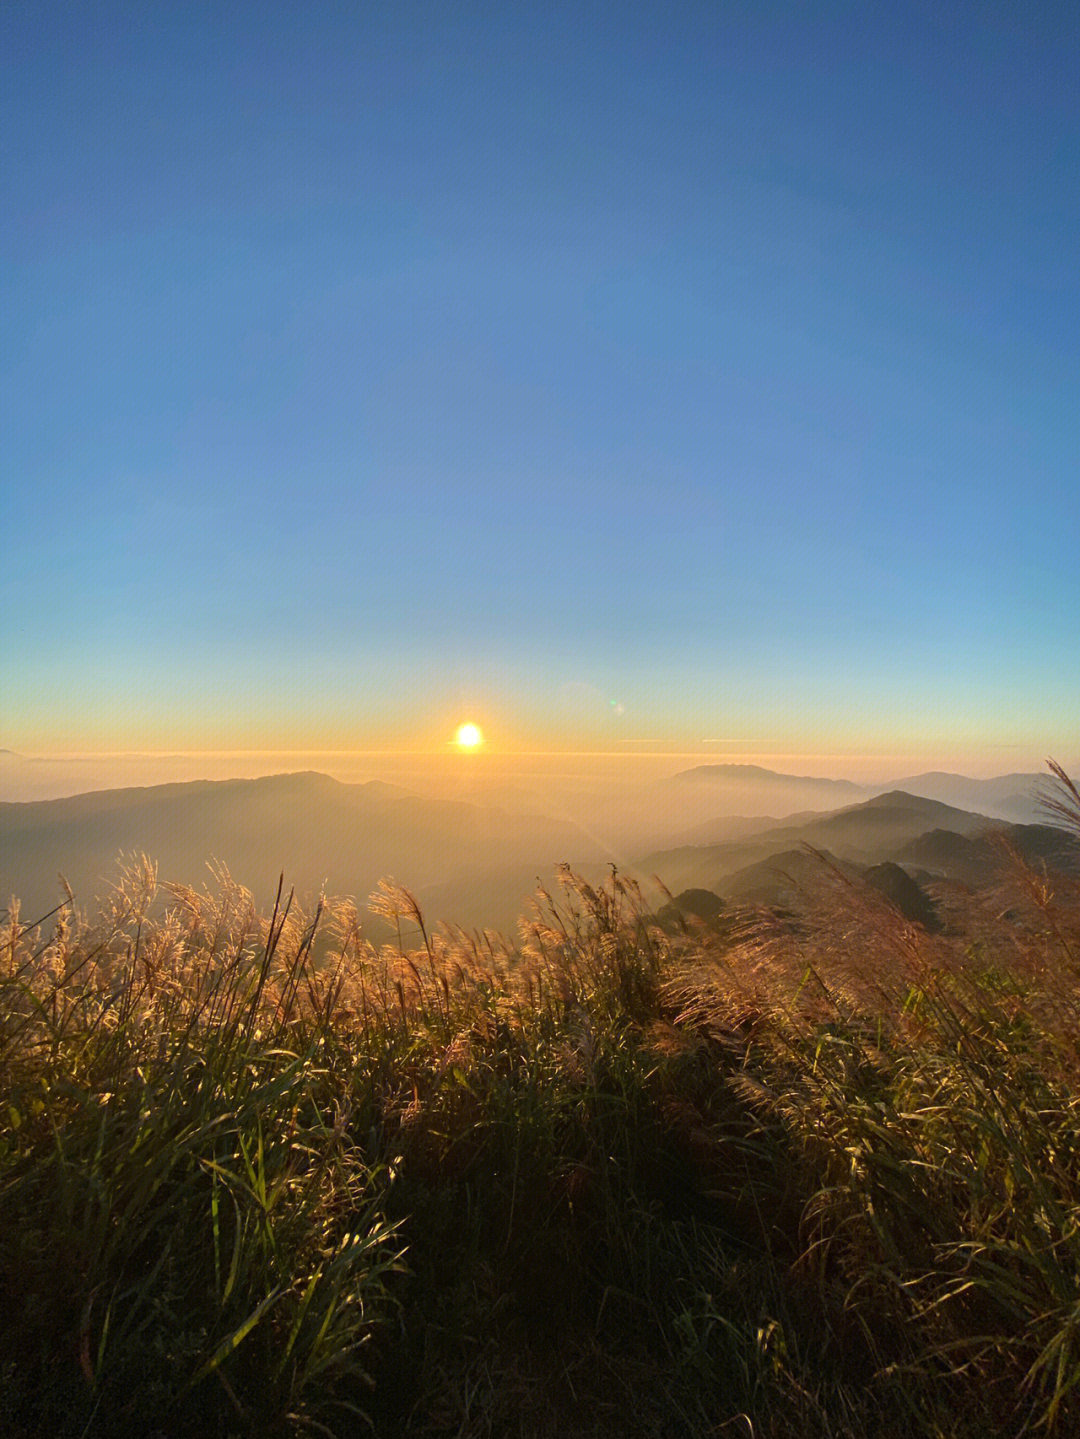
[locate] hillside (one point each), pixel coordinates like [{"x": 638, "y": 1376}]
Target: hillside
[
  {"x": 781, "y": 878},
  {"x": 970, "y": 860},
  {"x": 557, "y": 1185},
  {"x": 741, "y": 798},
  {"x": 472, "y": 862},
  {"x": 866, "y": 833},
  {"x": 323, "y": 834},
  {"x": 1013, "y": 797},
  {"x": 928, "y": 838}
]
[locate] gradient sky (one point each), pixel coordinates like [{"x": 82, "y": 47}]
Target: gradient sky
[{"x": 666, "y": 374}]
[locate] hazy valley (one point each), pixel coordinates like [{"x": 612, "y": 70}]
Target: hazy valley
[{"x": 740, "y": 831}]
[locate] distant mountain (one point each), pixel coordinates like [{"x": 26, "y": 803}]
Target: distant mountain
[
  {"x": 926, "y": 837},
  {"x": 1014, "y": 797},
  {"x": 475, "y": 863},
  {"x": 718, "y": 803},
  {"x": 729, "y": 829},
  {"x": 323, "y": 834},
  {"x": 865, "y": 833},
  {"x": 869, "y": 832},
  {"x": 755, "y": 778},
  {"x": 741, "y": 794}
]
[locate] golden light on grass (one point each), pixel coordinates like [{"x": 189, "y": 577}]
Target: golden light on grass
[{"x": 469, "y": 736}]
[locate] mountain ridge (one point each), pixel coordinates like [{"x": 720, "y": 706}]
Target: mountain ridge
[
  {"x": 887, "y": 827},
  {"x": 321, "y": 832},
  {"x": 474, "y": 862}
]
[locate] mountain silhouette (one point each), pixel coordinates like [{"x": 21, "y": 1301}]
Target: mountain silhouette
[
  {"x": 1014, "y": 797},
  {"x": 865, "y": 833},
  {"x": 324, "y": 835},
  {"x": 893, "y": 827},
  {"x": 476, "y": 864},
  {"x": 904, "y": 893},
  {"x": 701, "y": 906},
  {"x": 971, "y": 859},
  {"x": 757, "y": 774}
]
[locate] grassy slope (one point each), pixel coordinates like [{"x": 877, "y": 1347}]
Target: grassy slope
[{"x": 257, "y": 1178}]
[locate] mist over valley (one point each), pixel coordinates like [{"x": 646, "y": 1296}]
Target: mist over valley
[{"x": 730, "y": 829}]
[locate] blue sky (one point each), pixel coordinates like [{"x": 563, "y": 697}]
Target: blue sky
[{"x": 660, "y": 374}]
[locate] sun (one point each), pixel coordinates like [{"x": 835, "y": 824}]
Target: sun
[{"x": 469, "y": 736}]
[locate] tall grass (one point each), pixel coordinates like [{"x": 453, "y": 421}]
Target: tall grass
[{"x": 767, "y": 1176}]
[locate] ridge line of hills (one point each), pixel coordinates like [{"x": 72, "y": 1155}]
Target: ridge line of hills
[{"x": 468, "y": 862}]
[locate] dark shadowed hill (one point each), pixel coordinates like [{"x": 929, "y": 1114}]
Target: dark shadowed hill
[
  {"x": 970, "y": 859},
  {"x": 324, "y": 835},
  {"x": 904, "y": 893},
  {"x": 692, "y": 906}
]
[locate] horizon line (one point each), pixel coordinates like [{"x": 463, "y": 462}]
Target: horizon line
[{"x": 451, "y": 749}]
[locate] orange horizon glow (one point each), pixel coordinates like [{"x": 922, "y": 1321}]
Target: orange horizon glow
[{"x": 871, "y": 764}]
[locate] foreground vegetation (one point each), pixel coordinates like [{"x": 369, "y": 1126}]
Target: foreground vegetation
[{"x": 761, "y": 1176}]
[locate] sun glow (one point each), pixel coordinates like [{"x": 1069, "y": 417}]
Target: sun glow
[{"x": 469, "y": 736}]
